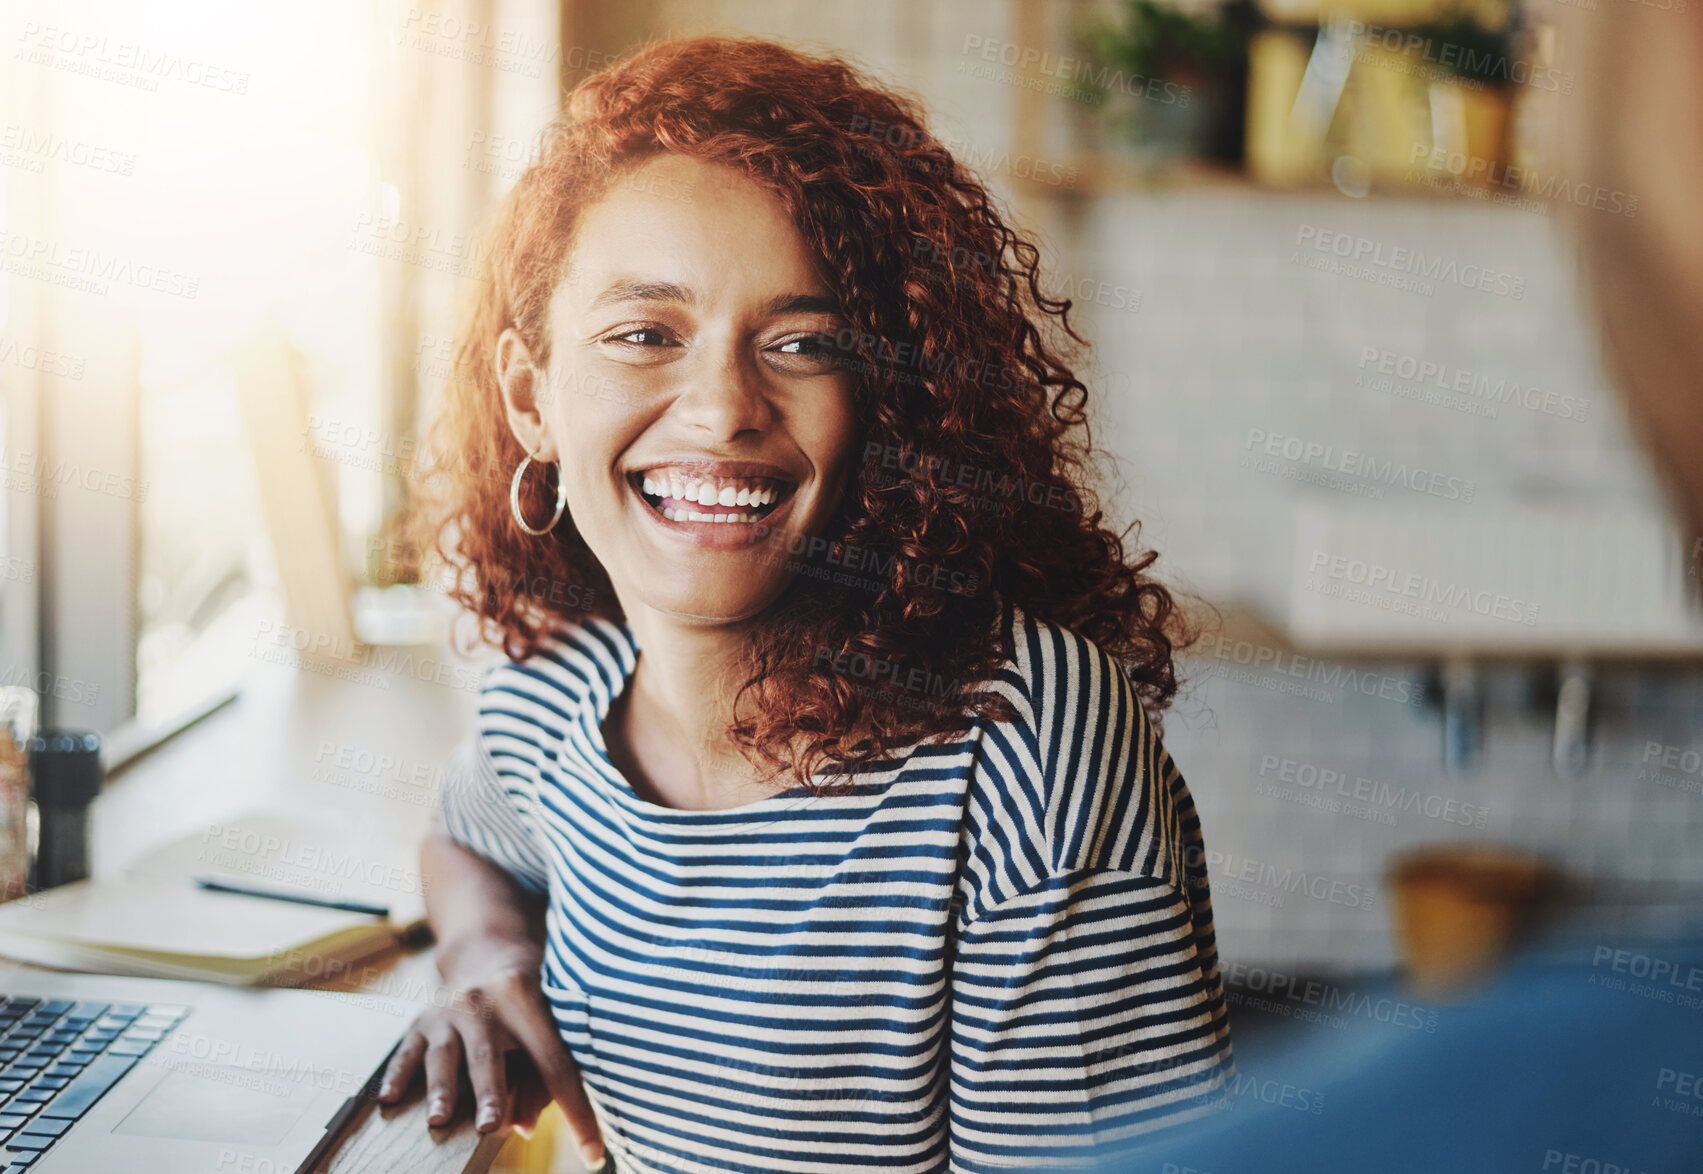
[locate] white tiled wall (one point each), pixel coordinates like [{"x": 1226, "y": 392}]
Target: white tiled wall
[
  {"x": 1630, "y": 828},
  {"x": 1235, "y": 334}
]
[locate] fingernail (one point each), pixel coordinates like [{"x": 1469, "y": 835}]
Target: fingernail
[
  {"x": 591, "y": 1155},
  {"x": 438, "y": 1107},
  {"x": 487, "y": 1116}
]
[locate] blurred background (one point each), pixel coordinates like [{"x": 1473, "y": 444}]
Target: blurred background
[{"x": 1343, "y": 367}]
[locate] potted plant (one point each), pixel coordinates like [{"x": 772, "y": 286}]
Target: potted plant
[{"x": 1170, "y": 81}]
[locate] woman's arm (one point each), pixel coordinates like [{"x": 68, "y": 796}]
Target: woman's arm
[
  {"x": 490, "y": 949},
  {"x": 474, "y": 906},
  {"x": 1080, "y": 1017}
]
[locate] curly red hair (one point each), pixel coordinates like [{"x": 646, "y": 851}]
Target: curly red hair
[{"x": 975, "y": 452}]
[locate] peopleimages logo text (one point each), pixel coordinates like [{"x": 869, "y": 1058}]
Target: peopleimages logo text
[
  {"x": 1080, "y": 72},
  {"x": 1477, "y": 168},
  {"x": 1365, "y": 251},
  {"x": 1462, "y": 381},
  {"x": 1413, "y": 585},
  {"x": 1357, "y": 464}
]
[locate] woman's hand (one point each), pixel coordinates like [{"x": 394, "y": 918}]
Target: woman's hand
[{"x": 496, "y": 1005}]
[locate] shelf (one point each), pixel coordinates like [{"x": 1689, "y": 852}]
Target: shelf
[{"x": 1107, "y": 175}]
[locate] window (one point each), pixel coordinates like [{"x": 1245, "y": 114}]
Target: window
[{"x": 183, "y": 185}]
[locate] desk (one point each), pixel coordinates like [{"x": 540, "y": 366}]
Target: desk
[{"x": 363, "y": 741}]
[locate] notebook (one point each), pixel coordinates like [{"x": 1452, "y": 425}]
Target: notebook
[{"x": 153, "y": 921}]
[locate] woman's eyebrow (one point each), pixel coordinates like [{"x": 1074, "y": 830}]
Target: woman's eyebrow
[
  {"x": 802, "y": 304},
  {"x": 628, "y": 289}
]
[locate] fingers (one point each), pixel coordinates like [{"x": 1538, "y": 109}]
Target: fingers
[
  {"x": 399, "y": 1073},
  {"x": 486, "y": 1070},
  {"x": 530, "y": 1095},
  {"x": 443, "y": 1069},
  {"x": 532, "y": 1024},
  {"x": 510, "y": 1010},
  {"x": 442, "y": 1043}
]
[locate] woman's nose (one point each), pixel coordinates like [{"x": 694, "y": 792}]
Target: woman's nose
[{"x": 723, "y": 396}]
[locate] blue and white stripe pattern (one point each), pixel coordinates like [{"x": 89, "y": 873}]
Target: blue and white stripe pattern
[{"x": 988, "y": 954}]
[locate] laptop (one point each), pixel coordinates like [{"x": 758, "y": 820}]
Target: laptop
[{"x": 156, "y": 1077}]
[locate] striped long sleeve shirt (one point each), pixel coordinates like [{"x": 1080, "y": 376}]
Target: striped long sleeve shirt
[{"x": 987, "y": 954}]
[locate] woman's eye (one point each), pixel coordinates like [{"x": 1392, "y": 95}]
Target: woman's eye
[
  {"x": 818, "y": 349},
  {"x": 645, "y": 336}
]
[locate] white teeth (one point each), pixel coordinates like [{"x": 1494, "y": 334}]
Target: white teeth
[
  {"x": 700, "y": 492},
  {"x": 674, "y": 515}
]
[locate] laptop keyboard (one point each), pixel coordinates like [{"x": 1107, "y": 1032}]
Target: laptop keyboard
[{"x": 58, "y": 1057}]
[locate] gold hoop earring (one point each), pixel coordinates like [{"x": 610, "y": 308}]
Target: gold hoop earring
[{"x": 514, "y": 499}]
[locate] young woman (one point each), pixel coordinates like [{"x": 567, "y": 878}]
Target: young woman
[{"x": 815, "y": 822}]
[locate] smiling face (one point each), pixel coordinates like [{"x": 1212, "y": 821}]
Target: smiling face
[{"x": 691, "y": 395}]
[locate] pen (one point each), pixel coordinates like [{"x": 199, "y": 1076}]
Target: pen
[{"x": 216, "y": 885}]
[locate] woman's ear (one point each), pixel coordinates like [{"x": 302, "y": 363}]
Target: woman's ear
[{"x": 523, "y": 386}]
